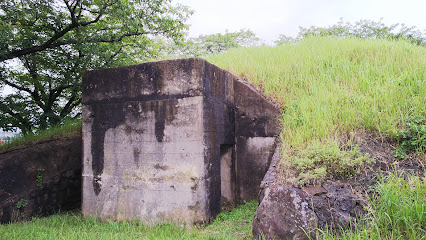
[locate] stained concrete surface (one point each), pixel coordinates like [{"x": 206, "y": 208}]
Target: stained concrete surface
[{"x": 172, "y": 140}]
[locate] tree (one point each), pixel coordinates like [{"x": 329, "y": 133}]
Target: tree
[
  {"x": 365, "y": 29},
  {"x": 210, "y": 44},
  {"x": 46, "y": 45}
]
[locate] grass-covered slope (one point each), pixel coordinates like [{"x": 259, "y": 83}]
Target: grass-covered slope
[
  {"x": 330, "y": 87},
  {"x": 67, "y": 129}
]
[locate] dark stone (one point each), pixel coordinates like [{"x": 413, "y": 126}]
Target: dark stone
[
  {"x": 253, "y": 161},
  {"x": 337, "y": 205},
  {"x": 234, "y": 114},
  {"x": 101, "y": 88},
  {"x": 283, "y": 210},
  {"x": 255, "y": 116},
  {"x": 105, "y": 117},
  {"x": 284, "y": 213},
  {"x": 144, "y": 82}
]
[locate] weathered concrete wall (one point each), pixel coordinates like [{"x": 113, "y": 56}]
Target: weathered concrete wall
[
  {"x": 40, "y": 179},
  {"x": 171, "y": 140},
  {"x": 256, "y": 129},
  {"x": 240, "y": 119},
  {"x": 143, "y": 142},
  {"x": 145, "y": 169}
]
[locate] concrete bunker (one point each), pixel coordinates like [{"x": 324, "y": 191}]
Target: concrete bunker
[{"x": 172, "y": 140}]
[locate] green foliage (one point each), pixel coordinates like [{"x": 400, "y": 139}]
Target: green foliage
[
  {"x": 228, "y": 225},
  {"x": 397, "y": 213},
  {"x": 209, "y": 44},
  {"x": 46, "y": 45},
  {"x": 39, "y": 177},
  {"x": 363, "y": 29},
  {"x": 21, "y": 203},
  {"x": 321, "y": 161},
  {"x": 412, "y": 137}
]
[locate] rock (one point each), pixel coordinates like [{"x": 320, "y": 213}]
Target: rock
[
  {"x": 314, "y": 190},
  {"x": 285, "y": 210},
  {"x": 338, "y": 206},
  {"x": 284, "y": 213}
]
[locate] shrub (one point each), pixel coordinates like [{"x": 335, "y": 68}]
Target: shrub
[
  {"x": 412, "y": 137},
  {"x": 324, "y": 161}
]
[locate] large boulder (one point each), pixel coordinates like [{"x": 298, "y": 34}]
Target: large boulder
[{"x": 284, "y": 213}]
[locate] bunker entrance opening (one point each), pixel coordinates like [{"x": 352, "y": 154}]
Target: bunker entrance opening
[{"x": 227, "y": 173}]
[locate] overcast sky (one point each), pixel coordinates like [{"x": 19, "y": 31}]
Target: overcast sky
[{"x": 269, "y": 18}]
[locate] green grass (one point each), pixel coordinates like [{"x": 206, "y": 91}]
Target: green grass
[
  {"x": 68, "y": 128},
  {"x": 228, "y": 225},
  {"x": 399, "y": 212},
  {"x": 328, "y": 87},
  {"x": 412, "y": 137}
]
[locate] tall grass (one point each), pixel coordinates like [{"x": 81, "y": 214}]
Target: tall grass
[
  {"x": 228, "y": 225},
  {"x": 329, "y": 86}
]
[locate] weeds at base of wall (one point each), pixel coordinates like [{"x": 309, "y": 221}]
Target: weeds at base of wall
[
  {"x": 71, "y": 225},
  {"x": 21, "y": 203},
  {"x": 18, "y": 213}
]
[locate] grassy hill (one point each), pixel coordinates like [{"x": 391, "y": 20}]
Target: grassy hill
[
  {"x": 329, "y": 89},
  {"x": 329, "y": 86}
]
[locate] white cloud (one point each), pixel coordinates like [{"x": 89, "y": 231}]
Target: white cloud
[{"x": 269, "y": 18}]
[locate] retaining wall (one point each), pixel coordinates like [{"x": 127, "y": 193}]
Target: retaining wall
[{"x": 40, "y": 179}]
